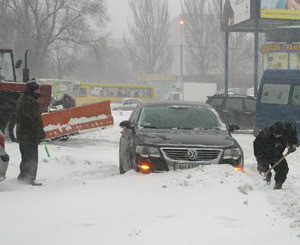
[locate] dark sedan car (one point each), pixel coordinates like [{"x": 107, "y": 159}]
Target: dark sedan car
[
  {"x": 163, "y": 136},
  {"x": 237, "y": 109}
]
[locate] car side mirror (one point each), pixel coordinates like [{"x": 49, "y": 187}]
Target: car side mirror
[
  {"x": 126, "y": 124},
  {"x": 18, "y": 63},
  {"x": 233, "y": 127}
]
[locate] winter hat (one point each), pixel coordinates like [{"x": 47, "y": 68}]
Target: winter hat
[
  {"x": 278, "y": 128},
  {"x": 66, "y": 96},
  {"x": 32, "y": 85}
]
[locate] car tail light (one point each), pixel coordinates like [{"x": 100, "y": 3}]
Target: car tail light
[{"x": 2, "y": 143}]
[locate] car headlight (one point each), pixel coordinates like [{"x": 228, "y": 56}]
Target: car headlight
[
  {"x": 146, "y": 151},
  {"x": 233, "y": 153}
]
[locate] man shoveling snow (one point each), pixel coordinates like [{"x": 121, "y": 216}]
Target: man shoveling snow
[{"x": 269, "y": 146}]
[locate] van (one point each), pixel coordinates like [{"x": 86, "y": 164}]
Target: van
[{"x": 278, "y": 99}]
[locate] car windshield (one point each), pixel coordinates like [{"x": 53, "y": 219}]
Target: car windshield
[{"x": 180, "y": 117}]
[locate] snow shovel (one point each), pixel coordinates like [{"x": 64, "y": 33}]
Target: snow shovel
[
  {"x": 46, "y": 149},
  {"x": 265, "y": 174}
]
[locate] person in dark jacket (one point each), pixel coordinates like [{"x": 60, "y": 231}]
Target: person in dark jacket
[
  {"x": 269, "y": 146},
  {"x": 67, "y": 102},
  {"x": 30, "y": 132}
]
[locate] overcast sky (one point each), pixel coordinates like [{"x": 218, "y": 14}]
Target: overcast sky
[{"x": 119, "y": 12}]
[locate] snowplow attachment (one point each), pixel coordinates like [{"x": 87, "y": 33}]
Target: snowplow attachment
[{"x": 63, "y": 123}]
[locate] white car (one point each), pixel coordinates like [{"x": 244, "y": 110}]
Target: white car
[
  {"x": 4, "y": 158},
  {"x": 126, "y": 104}
]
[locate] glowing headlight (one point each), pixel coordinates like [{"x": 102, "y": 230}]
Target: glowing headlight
[
  {"x": 146, "y": 151},
  {"x": 234, "y": 153}
]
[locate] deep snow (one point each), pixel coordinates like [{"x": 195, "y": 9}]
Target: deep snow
[{"x": 84, "y": 200}]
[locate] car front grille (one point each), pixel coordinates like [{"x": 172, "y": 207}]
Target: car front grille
[{"x": 191, "y": 154}]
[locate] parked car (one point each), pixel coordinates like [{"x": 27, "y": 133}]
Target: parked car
[
  {"x": 4, "y": 158},
  {"x": 163, "y": 136},
  {"x": 126, "y": 104},
  {"x": 236, "y": 109}
]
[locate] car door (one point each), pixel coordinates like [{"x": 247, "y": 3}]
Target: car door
[
  {"x": 249, "y": 112},
  {"x": 126, "y": 148},
  {"x": 233, "y": 111}
]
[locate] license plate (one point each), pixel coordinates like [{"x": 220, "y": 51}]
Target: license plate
[{"x": 184, "y": 166}]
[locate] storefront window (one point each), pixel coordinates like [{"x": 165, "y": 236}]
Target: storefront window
[
  {"x": 276, "y": 61},
  {"x": 295, "y": 60}
]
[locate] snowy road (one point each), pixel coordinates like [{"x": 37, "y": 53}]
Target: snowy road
[{"x": 85, "y": 201}]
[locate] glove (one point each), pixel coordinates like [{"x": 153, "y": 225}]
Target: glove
[
  {"x": 292, "y": 149},
  {"x": 262, "y": 169}
]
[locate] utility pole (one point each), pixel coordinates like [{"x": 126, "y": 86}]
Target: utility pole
[
  {"x": 256, "y": 46},
  {"x": 181, "y": 22}
]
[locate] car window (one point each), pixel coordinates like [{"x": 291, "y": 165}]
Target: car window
[
  {"x": 134, "y": 116},
  {"x": 275, "y": 94},
  {"x": 174, "y": 97},
  {"x": 130, "y": 102},
  {"x": 249, "y": 104},
  {"x": 234, "y": 103},
  {"x": 296, "y": 96},
  {"x": 216, "y": 102},
  {"x": 181, "y": 117}
]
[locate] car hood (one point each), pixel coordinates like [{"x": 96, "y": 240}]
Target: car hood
[{"x": 200, "y": 138}]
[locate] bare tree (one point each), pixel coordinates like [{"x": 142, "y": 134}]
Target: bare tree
[
  {"x": 205, "y": 41},
  {"x": 148, "y": 47},
  {"x": 197, "y": 36},
  {"x": 6, "y": 25},
  {"x": 40, "y": 24}
]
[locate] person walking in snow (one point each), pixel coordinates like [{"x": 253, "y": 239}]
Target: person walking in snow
[
  {"x": 269, "y": 146},
  {"x": 30, "y": 132},
  {"x": 67, "y": 102}
]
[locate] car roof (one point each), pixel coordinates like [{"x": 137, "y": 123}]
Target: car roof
[
  {"x": 174, "y": 103},
  {"x": 232, "y": 96}
]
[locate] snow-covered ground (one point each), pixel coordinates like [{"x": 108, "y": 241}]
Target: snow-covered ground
[{"x": 84, "y": 200}]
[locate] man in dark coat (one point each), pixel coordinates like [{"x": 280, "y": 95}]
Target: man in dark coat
[
  {"x": 67, "y": 102},
  {"x": 269, "y": 146},
  {"x": 30, "y": 132}
]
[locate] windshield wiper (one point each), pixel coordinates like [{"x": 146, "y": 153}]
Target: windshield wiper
[
  {"x": 148, "y": 126},
  {"x": 188, "y": 128}
]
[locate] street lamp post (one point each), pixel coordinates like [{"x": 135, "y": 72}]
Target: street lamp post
[{"x": 181, "y": 22}]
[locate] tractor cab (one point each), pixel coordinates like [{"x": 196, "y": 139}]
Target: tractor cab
[
  {"x": 11, "y": 89},
  {"x": 7, "y": 66}
]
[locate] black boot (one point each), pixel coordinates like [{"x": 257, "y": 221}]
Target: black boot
[
  {"x": 277, "y": 186},
  {"x": 268, "y": 178},
  {"x": 35, "y": 183},
  {"x": 29, "y": 182}
]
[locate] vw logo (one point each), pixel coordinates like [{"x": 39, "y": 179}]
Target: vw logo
[{"x": 192, "y": 154}]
